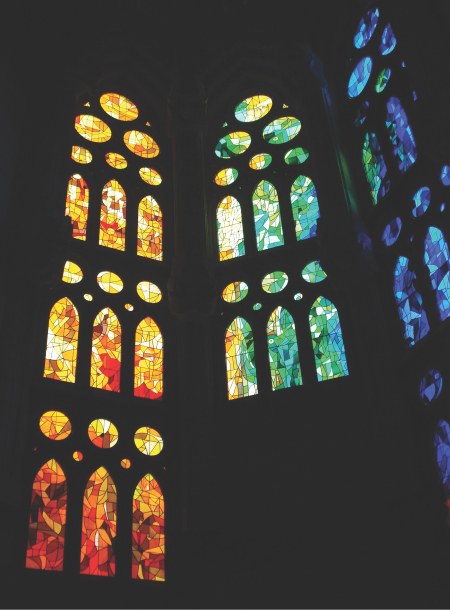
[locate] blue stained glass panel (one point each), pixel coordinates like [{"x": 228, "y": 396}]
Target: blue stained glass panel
[
  {"x": 409, "y": 303},
  {"x": 366, "y": 28},
  {"x": 391, "y": 232},
  {"x": 437, "y": 258},
  {"x": 362, "y": 114},
  {"x": 388, "y": 40},
  {"x": 305, "y": 207},
  {"x": 442, "y": 454},
  {"x": 375, "y": 168},
  {"x": 359, "y": 77},
  {"x": 283, "y": 350},
  {"x": 401, "y": 135},
  {"x": 430, "y": 386},
  {"x": 422, "y": 200},
  {"x": 445, "y": 175},
  {"x": 328, "y": 345}
]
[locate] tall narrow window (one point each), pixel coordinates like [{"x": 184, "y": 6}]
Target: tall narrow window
[
  {"x": 266, "y": 210},
  {"x": 149, "y": 239},
  {"x": 240, "y": 359},
  {"x": 328, "y": 345},
  {"x": 374, "y": 167},
  {"x": 62, "y": 342},
  {"x": 47, "y": 519},
  {"x": 230, "y": 233},
  {"x": 77, "y": 205},
  {"x": 305, "y": 207},
  {"x": 148, "y": 360},
  {"x": 437, "y": 258},
  {"x": 442, "y": 455},
  {"x": 401, "y": 134},
  {"x": 283, "y": 350},
  {"x": 113, "y": 216},
  {"x": 106, "y": 351},
  {"x": 409, "y": 303}
]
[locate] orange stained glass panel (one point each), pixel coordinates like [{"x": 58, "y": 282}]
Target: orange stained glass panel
[
  {"x": 62, "y": 342},
  {"x": 106, "y": 351},
  {"x": 47, "y": 519},
  {"x": 119, "y": 107},
  {"x": 141, "y": 144},
  {"x": 103, "y": 433},
  {"x": 72, "y": 273},
  {"x": 148, "y": 360},
  {"x": 77, "y": 205},
  {"x": 115, "y": 160},
  {"x": 77, "y": 456},
  {"x": 150, "y": 176},
  {"x": 149, "y": 243},
  {"x": 99, "y": 525},
  {"x": 128, "y": 307},
  {"x": 92, "y": 129},
  {"x": 113, "y": 216},
  {"x": 125, "y": 463},
  {"x": 148, "y": 545},
  {"x": 55, "y": 425},
  {"x": 81, "y": 155},
  {"x": 148, "y": 441}
]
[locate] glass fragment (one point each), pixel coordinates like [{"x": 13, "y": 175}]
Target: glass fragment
[
  {"x": 382, "y": 80},
  {"x": 150, "y": 176},
  {"x": 253, "y": 108},
  {"x": 148, "y": 441},
  {"x": 233, "y": 144},
  {"x": 103, "y": 433},
  {"x": 119, "y": 107},
  {"x": 328, "y": 345},
  {"x": 313, "y": 273},
  {"x": 366, "y": 28},
  {"x": 81, "y": 155},
  {"x": 283, "y": 351},
  {"x": 274, "y": 282},
  {"x": 109, "y": 282},
  {"x": 430, "y": 386},
  {"x": 281, "y": 130},
  {"x": 106, "y": 351},
  {"x": 391, "y": 232},
  {"x": 88, "y": 297},
  {"x": 72, "y": 273},
  {"x": 125, "y": 463},
  {"x": 77, "y": 205},
  {"x": 77, "y": 456},
  {"x": 115, "y": 160},
  {"x": 113, "y": 216},
  {"x": 361, "y": 114},
  {"x": 305, "y": 207},
  {"x": 298, "y": 296},
  {"x": 230, "y": 232},
  {"x": 260, "y": 161},
  {"x": 150, "y": 229},
  {"x": 388, "y": 40},
  {"x": 296, "y": 156},
  {"x": 141, "y": 144},
  {"x": 359, "y": 77},
  {"x": 55, "y": 425},
  {"x": 235, "y": 292},
  {"x": 226, "y": 176},
  {"x": 257, "y": 306},
  {"x": 401, "y": 135},
  {"x": 240, "y": 359},
  {"x": 409, "y": 303},
  {"x": 128, "y": 307},
  {"x": 150, "y": 293},
  {"x": 62, "y": 342},
  {"x": 422, "y": 201},
  {"x": 91, "y": 128},
  {"x": 148, "y": 360},
  {"x": 437, "y": 258},
  {"x": 266, "y": 212},
  {"x": 375, "y": 168},
  {"x": 442, "y": 455},
  {"x": 445, "y": 175}
]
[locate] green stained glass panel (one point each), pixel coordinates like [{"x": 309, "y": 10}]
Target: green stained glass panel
[
  {"x": 283, "y": 350},
  {"x": 298, "y": 296},
  {"x": 233, "y": 144},
  {"x": 240, "y": 359},
  {"x": 313, "y": 273},
  {"x": 296, "y": 156},
  {"x": 382, "y": 80},
  {"x": 260, "y": 161},
  {"x": 253, "y": 108},
  {"x": 281, "y": 130},
  {"x": 275, "y": 282},
  {"x": 257, "y": 306},
  {"x": 235, "y": 292},
  {"x": 266, "y": 212},
  {"x": 305, "y": 207},
  {"x": 328, "y": 345}
]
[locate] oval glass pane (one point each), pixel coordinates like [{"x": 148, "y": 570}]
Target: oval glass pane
[
  {"x": 119, "y": 107},
  {"x": 88, "y": 297},
  {"x": 281, "y": 130},
  {"x": 103, "y": 433},
  {"x": 391, "y": 232},
  {"x": 366, "y": 28},
  {"x": 313, "y": 273},
  {"x": 233, "y": 144},
  {"x": 388, "y": 40},
  {"x": 253, "y": 108},
  {"x": 148, "y": 441},
  {"x": 150, "y": 176},
  {"x": 72, "y": 273},
  {"x": 92, "y": 129},
  {"x": 55, "y": 425},
  {"x": 422, "y": 201},
  {"x": 81, "y": 155},
  {"x": 150, "y": 293},
  {"x": 77, "y": 456},
  {"x": 226, "y": 176},
  {"x": 298, "y": 296},
  {"x": 257, "y": 306},
  {"x": 128, "y": 307},
  {"x": 430, "y": 386},
  {"x": 235, "y": 292},
  {"x": 275, "y": 282},
  {"x": 125, "y": 463},
  {"x": 296, "y": 156},
  {"x": 115, "y": 160},
  {"x": 109, "y": 282},
  {"x": 260, "y": 161},
  {"x": 141, "y": 144},
  {"x": 359, "y": 77},
  {"x": 445, "y": 175},
  {"x": 382, "y": 80}
]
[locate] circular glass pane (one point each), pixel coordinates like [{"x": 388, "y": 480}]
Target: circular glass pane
[
  {"x": 103, "y": 433},
  {"x": 92, "y": 129},
  {"x": 125, "y": 463},
  {"x": 226, "y": 176},
  {"x": 150, "y": 176},
  {"x": 391, "y": 232},
  {"x": 253, "y": 108},
  {"x": 115, "y": 160},
  {"x": 148, "y": 441},
  {"x": 235, "y": 292},
  {"x": 313, "y": 273},
  {"x": 72, "y": 273},
  {"x": 260, "y": 161},
  {"x": 77, "y": 456},
  {"x": 422, "y": 201},
  {"x": 281, "y": 130},
  {"x": 275, "y": 282},
  {"x": 119, "y": 107},
  {"x": 109, "y": 282},
  {"x": 81, "y": 155},
  {"x": 296, "y": 156},
  {"x": 55, "y": 425},
  {"x": 149, "y": 292},
  {"x": 382, "y": 80},
  {"x": 257, "y": 306},
  {"x": 233, "y": 144}
]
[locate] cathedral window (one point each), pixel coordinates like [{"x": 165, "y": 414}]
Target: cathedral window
[{"x": 437, "y": 258}]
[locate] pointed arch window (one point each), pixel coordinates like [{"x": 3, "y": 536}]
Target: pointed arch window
[
  {"x": 106, "y": 351},
  {"x": 62, "y": 341},
  {"x": 409, "y": 303},
  {"x": 77, "y": 205},
  {"x": 437, "y": 259},
  {"x": 283, "y": 350},
  {"x": 401, "y": 134},
  {"x": 113, "y": 216},
  {"x": 230, "y": 233},
  {"x": 240, "y": 359},
  {"x": 148, "y": 364},
  {"x": 149, "y": 242},
  {"x": 328, "y": 345},
  {"x": 266, "y": 211},
  {"x": 305, "y": 207},
  {"x": 374, "y": 168}
]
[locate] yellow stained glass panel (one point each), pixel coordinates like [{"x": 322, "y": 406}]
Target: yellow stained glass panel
[
  {"x": 77, "y": 456},
  {"x": 77, "y": 205},
  {"x": 72, "y": 273},
  {"x": 253, "y": 108},
  {"x": 149, "y": 242},
  {"x": 106, "y": 351},
  {"x": 141, "y": 144},
  {"x": 109, "y": 282},
  {"x": 88, "y": 297},
  {"x": 113, "y": 216},
  {"x": 55, "y": 425},
  {"x": 148, "y": 441},
  {"x": 125, "y": 463},
  {"x": 149, "y": 292},
  {"x": 150, "y": 176},
  {"x": 148, "y": 360},
  {"x": 128, "y": 307},
  {"x": 115, "y": 160},
  {"x": 119, "y": 107},
  {"x": 92, "y": 128},
  {"x": 62, "y": 342},
  {"x": 81, "y": 155},
  {"x": 103, "y": 433}
]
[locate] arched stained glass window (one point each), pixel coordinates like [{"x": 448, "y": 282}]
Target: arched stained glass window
[
  {"x": 401, "y": 135},
  {"x": 375, "y": 168},
  {"x": 148, "y": 546},
  {"x": 230, "y": 233},
  {"x": 99, "y": 525},
  {"x": 240, "y": 359},
  {"x": 113, "y": 216},
  {"x": 437, "y": 258},
  {"x": 305, "y": 207},
  {"x": 328, "y": 345},
  {"x": 442, "y": 456},
  {"x": 266, "y": 211},
  {"x": 283, "y": 350},
  {"x": 77, "y": 205},
  {"x": 149, "y": 242},
  {"x": 148, "y": 360},
  {"x": 106, "y": 351},
  {"x": 409, "y": 303},
  {"x": 47, "y": 519},
  {"x": 62, "y": 342}
]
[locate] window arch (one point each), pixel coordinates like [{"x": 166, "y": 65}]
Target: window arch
[
  {"x": 230, "y": 233},
  {"x": 409, "y": 303},
  {"x": 240, "y": 359},
  {"x": 305, "y": 207},
  {"x": 401, "y": 135},
  {"x": 62, "y": 341},
  {"x": 113, "y": 216},
  {"x": 328, "y": 345},
  {"x": 374, "y": 167},
  {"x": 150, "y": 229},
  {"x": 283, "y": 350},
  {"x": 77, "y": 204},
  {"x": 437, "y": 259},
  {"x": 266, "y": 211},
  {"x": 106, "y": 351},
  {"x": 148, "y": 371}
]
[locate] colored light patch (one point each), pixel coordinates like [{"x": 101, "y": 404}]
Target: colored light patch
[
  {"x": 72, "y": 273},
  {"x": 442, "y": 208},
  {"x": 128, "y": 307},
  {"x": 81, "y": 155},
  {"x": 382, "y": 80},
  {"x": 442, "y": 455},
  {"x": 230, "y": 232},
  {"x": 257, "y": 306},
  {"x": 148, "y": 360},
  {"x": 361, "y": 114},
  {"x": 388, "y": 40},
  {"x": 77, "y": 456},
  {"x": 150, "y": 176},
  {"x": 233, "y": 144},
  {"x": 88, "y": 297},
  {"x": 313, "y": 273},
  {"x": 296, "y": 156},
  {"x": 109, "y": 282},
  {"x": 148, "y": 441},
  {"x": 113, "y": 216},
  {"x": 359, "y": 77},
  {"x": 235, "y": 292},
  {"x": 445, "y": 175},
  {"x": 281, "y": 130},
  {"x": 141, "y": 144},
  {"x": 274, "y": 282},
  {"x": 119, "y": 107},
  {"x": 422, "y": 201},
  {"x": 91, "y": 128},
  {"x": 366, "y": 28},
  {"x": 253, "y": 108},
  {"x": 298, "y": 296},
  {"x": 391, "y": 232},
  {"x": 437, "y": 258},
  {"x": 260, "y": 161},
  {"x": 226, "y": 176},
  {"x": 55, "y": 425},
  {"x": 409, "y": 303},
  {"x": 103, "y": 433},
  {"x": 430, "y": 386},
  {"x": 115, "y": 160},
  {"x": 150, "y": 293},
  {"x": 125, "y": 463},
  {"x": 150, "y": 229}
]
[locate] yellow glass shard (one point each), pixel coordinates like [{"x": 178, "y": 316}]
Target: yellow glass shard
[
  {"x": 149, "y": 237},
  {"x": 141, "y": 144},
  {"x": 72, "y": 273},
  {"x": 128, "y": 307},
  {"x": 119, "y": 107},
  {"x": 81, "y": 155},
  {"x": 148, "y": 360},
  {"x": 92, "y": 128},
  {"x": 148, "y": 441},
  {"x": 109, "y": 282},
  {"x": 115, "y": 160},
  {"x": 147, "y": 123},
  {"x": 103, "y": 433},
  {"x": 62, "y": 342},
  {"x": 55, "y": 425},
  {"x": 125, "y": 463},
  {"x": 253, "y": 108},
  {"x": 113, "y": 216},
  {"x": 150, "y": 176},
  {"x": 77, "y": 456},
  {"x": 149, "y": 292},
  {"x": 88, "y": 297},
  {"x": 87, "y": 104},
  {"x": 77, "y": 205}
]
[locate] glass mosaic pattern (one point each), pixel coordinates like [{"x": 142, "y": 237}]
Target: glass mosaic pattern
[
  {"x": 298, "y": 296},
  {"x": 266, "y": 212},
  {"x": 99, "y": 525},
  {"x": 148, "y": 360},
  {"x": 388, "y": 40},
  {"x": 260, "y": 161},
  {"x": 233, "y": 144},
  {"x": 91, "y": 128},
  {"x": 283, "y": 350},
  {"x": 103, "y": 434},
  {"x": 422, "y": 201},
  {"x": 106, "y": 351},
  {"x": 62, "y": 342},
  {"x": 150, "y": 229},
  {"x": 77, "y": 456},
  {"x": 361, "y": 115},
  {"x": 409, "y": 303},
  {"x": 148, "y": 539},
  {"x": 240, "y": 359},
  {"x": 141, "y": 144},
  {"x": 359, "y": 77},
  {"x": 148, "y": 441},
  {"x": 430, "y": 386},
  {"x": 375, "y": 168},
  {"x": 119, "y": 107},
  {"x": 125, "y": 463},
  {"x": 230, "y": 232},
  {"x": 257, "y": 306},
  {"x": 305, "y": 207},
  {"x": 274, "y": 282},
  {"x": 437, "y": 258},
  {"x": 382, "y": 80},
  {"x": 281, "y": 130},
  {"x": 149, "y": 292},
  {"x": 81, "y": 155},
  {"x": 442, "y": 454},
  {"x": 366, "y": 28},
  {"x": 72, "y": 273},
  {"x": 328, "y": 345},
  {"x": 226, "y": 176},
  {"x": 77, "y": 205},
  {"x": 150, "y": 176},
  {"x": 313, "y": 273},
  {"x": 391, "y": 232},
  {"x": 115, "y": 160},
  {"x": 235, "y": 292},
  {"x": 113, "y": 216},
  {"x": 445, "y": 175},
  {"x": 45, "y": 550},
  {"x": 55, "y": 425},
  {"x": 401, "y": 135},
  {"x": 129, "y": 307},
  {"x": 253, "y": 108},
  {"x": 109, "y": 282},
  {"x": 296, "y": 156}
]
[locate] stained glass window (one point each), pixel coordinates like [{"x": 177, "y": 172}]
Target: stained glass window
[
  {"x": 437, "y": 258},
  {"x": 240, "y": 359},
  {"x": 72, "y": 273},
  {"x": 375, "y": 168},
  {"x": 388, "y": 40},
  {"x": 274, "y": 282},
  {"x": 149, "y": 292},
  {"x": 92, "y": 129},
  {"x": 103, "y": 433},
  {"x": 445, "y": 175},
  {"x": 422, "y": 201},
  {"x": 359, "y": 77},
  {"x": 442, "y": 455},
  {"x": 235, "y": 292},
  {"x": 151, "y": 176},
  {"x": 305, "y": 207},
  {"x": 148, "y": 441},
  {"x": 119, "y": 107},
  {"x": 266, "y": 211},
  {"x": 226, "y": 176},
  {"x": 430, "y": 386},
  {"x": 47, "y": 519},
  {"x": 109, "y": 282},
  {"x": 106, "y": 351},
  {"x": 77, "y": 205},
  {"x": 382, "y": 80},
  {"x": 366, "y": 28},
  {"x": 409, "y": 303},
  {"x": 113, "y": 216},
  {"x": 81, "y": 155},
  {"x": 150, "y": 231},
  {"x": 296, "y": 156},
  {"x": 55, "y": 425},
  {"x": 391, "y": 232},
  {"x": 141, "y": 144},
  {"x": 260, "y": 161},
  {"x": 401, "y": 135},
  {"x": 230, "y": 233},
  {"x": 115, "y": 160},
  {"x": 253, "y": 108},
  {"x": 313, "y": 273},
  {"x": 328, "y": 345},
  {"x": 233, "y": 144},
  {"x": 148, "y": 360},
  {"x": 281, "y": 130},
  {"x": 62, "y": 342},
  {"x": 283, "y": 351}
]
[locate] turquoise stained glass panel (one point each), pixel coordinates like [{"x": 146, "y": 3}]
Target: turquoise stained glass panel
[
  {"x": 240, "y": 359},
  {"x": 305, "y": 207},
  {"x": 409, "y": 303},
  {"x": 366, "y": 28},
  {"x": 266, "y": 212},
  {"x": 359, "y": 77},
  {"x": 275, "y": 282},
  {"x": 283, "y": 350},
  {"x": 281, "y": 130},
  {"x": 233, "y": 144},
  {"x": 313, "y": 273},
  {"x": 328, "y": 345},
  {"x": 296, "y": 156}
]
